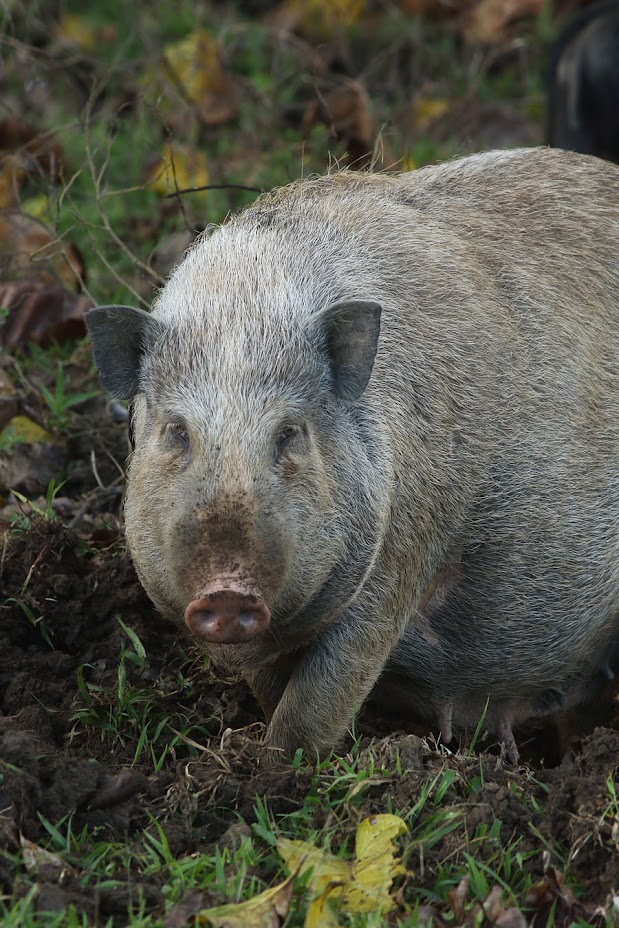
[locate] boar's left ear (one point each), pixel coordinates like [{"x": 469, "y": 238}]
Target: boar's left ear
[
  {"x": 351, "y": 332},
  {"x": 120, "y": 337}
]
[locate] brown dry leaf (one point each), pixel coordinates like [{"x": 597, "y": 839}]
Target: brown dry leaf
[
  {"x": 487, "y": 21},
  {"x": 498, "y": 915},
  {"x": 39, "y": 313},
  {"x": 181, "y": 167},
  {"x": 195, "y": 67},
  {"x": 267, "y": 910},
  {"x": 549, "y": 894},
  {"x": 118, "y": 788},
  {"x": 12, "y": 175},
  {"x": 431, "y": 7},
  {"x": 457, "y": 900},
  {"x": 319, "y": 19},
  {"x": 30, "y": 457},
  {"x": 185, "y": 910},
  {"x": 29, "y": 249},
  {"x": 347, "y": 112},
  {"x": 9, "y": 399},
  {"x": 35, "y": 151}
]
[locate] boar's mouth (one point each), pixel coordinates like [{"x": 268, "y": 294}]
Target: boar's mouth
[{"x": 227, "y": 615}]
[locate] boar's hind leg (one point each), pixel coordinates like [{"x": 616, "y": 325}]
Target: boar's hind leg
[{"x": 502, "y": 730}]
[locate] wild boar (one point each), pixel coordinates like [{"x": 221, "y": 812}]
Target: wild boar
[{"x": 376, "y": 429}]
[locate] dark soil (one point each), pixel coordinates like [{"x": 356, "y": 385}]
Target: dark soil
[{"x": 55, "y": 763}]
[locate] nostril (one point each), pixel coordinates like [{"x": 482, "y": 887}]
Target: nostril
[{"x": 227, "y": 617}]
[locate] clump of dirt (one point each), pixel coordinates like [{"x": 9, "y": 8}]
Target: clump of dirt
[{"x": 59, "y": 630}]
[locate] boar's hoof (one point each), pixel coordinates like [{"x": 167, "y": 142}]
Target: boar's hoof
[{"x": 227, "y": 617}]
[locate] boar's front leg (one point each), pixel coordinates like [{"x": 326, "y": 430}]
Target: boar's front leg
[
  {"x": 330, "y": 681},
  {"x": 268, "y": 685}
]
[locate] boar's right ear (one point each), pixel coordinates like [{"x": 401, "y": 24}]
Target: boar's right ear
[
  {"x": 120, "y": 336},
  {"x": 351, "y": 332}
]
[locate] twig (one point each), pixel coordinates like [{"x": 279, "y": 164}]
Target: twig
[{"x": 214, "y": 187}]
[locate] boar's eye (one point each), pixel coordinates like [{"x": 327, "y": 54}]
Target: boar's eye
[
  {"x": 178, "y": 434},
  {"x": 284, "y": 439}
]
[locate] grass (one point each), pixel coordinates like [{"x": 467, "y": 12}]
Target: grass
[
  {"x": 137, "y": 718},
  {"x": 240, "y": 870}
]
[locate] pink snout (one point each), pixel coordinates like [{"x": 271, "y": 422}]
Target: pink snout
[{"x": 227, "y": 616}]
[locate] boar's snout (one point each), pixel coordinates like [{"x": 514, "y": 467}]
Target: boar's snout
[{"x": 227, "y": 616}]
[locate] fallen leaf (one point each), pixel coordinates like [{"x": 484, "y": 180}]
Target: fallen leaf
[
  {"x": 362, "y": 885},
  {"x": 427, "y": 110},
  {"x": 551, "y": 899},
  {"x": 319, "y": 19},
  {"x": 36, "y": 312},
  {"x": 37, "y": 152},
  {"x": 117, "y": 789},
  {"x": 457, "y": 899},
  {"x": 430, "y": 7},
  {"x": 73, "y": 29},
  {"x": 267, "y": 910},
  {"x": 9, "y": 399},
  {"x": 181, "y": 167},
  {"x": 36, "y": 859},
  {"x": 36, "y": 207},
  {"x": 195, "y": 66},
  {"x": 12, "y": 174},
  {"x": 29, "y": 249},
  {"x": 487, "y": 21},
  {"x": 375, "y": 865},
  {"x": 326, "y": 868},
  {"x": 29, "y": 468},
  {"x": 496, "y": 913},
  {"x": 21, "y": 430},
  {"x": 321, "y": 913},
  {"x": 185, "y": 910},
  {"x": 347, "y": 112}
]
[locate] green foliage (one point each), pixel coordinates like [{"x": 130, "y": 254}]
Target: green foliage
[
  {"x": 134, "y": 715},
  {"x": 59, "y": 402}
]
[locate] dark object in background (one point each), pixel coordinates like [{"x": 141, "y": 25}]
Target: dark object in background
[{"x": 584, "y": 83}]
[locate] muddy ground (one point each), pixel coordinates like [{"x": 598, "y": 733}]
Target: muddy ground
[{"x": 73, "y": 575}]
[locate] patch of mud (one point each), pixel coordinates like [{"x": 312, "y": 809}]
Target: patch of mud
[{"x": 62, "y": 594}]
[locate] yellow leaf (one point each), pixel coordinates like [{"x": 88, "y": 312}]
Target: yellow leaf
[
  {"x": 375, "y": 835},
  {"x": 181, "y": 167},
  {"x": 320, "y": 18},
  {"x": 360, "y": 886},
  {"x": 408, "y": 163},
  {"x": 21, "y": 430},
  {"x": 75, "y": 30},
  {"x": 301, "y": 856},
  {"x": 320, "y": 913},
  {"x": 37, "y": 207},
  {"x": 195, "y": 67},
  {"x": 375, "y": 866},
  {"x": 426, "y": 111},
  {"x": 267, "y": 910}
]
